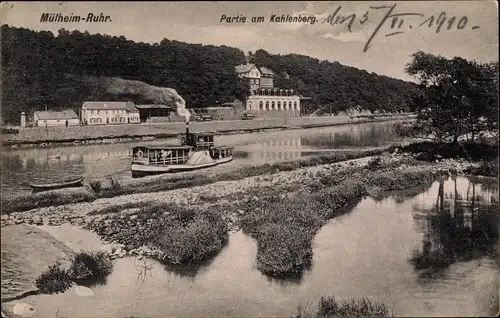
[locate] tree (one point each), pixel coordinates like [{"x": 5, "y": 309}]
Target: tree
[{"x": 459, "y": 97}]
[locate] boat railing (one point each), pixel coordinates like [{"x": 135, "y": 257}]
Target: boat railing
[
  {"x": 168, "y": 160},
  {"x": 205, "y": 144}
]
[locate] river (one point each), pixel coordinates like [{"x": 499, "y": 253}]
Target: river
[
  {"x": 431, "y": 251},
  {"x": 22, "y": 166}
]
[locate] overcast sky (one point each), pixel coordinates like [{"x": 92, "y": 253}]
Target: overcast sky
[{"x": 199, "y": 22}]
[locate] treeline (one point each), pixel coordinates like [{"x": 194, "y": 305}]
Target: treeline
[
  {"x": 338, "y": 87},
  {"x": 42, "y": 70},
  {"x": 36, "y": 65}
]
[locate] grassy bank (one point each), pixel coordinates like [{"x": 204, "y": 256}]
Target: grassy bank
[
  {"x": 97, "y": 190},
  {"x": 285, "y": 227},
  {"x": 180, "y": 235},
  {"x": 331, "y": 307}
]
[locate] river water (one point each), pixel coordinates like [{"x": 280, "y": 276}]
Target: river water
[
  {"x": 22, "y": 166},
  {"x": 431, "y": 251}
]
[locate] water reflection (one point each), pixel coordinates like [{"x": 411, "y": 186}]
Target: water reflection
[
  {"x": 353, "y": 136},
  {"x": 100, "y": 161},
  {"x": 364, "y": 252},
  {"x": 457, "y": 228}
]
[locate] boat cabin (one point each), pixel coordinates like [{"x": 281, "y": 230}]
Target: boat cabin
[
  {"x": 161, "y": 155},
  {"x": 199, "y": 140}
]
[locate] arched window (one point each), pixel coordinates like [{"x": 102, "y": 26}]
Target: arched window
[
  {"x": 267, "y": 105},
  {"x": 273, "y": 106},
  {"x": 250, "y": 105},
  {"x": 284, "y": 106},
  {"x": 279, "y": 105},
  {"x": 261, "y": 105},
  {"x": 295, "y": 106}
]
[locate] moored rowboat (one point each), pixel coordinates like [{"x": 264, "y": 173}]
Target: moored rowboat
[{"x": 68, "y": 183}]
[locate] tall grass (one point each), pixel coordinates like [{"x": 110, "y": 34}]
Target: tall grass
[
  {"x": 363, "y": 307},
  {"x": 54, "y": 280},
  {"x": 182, "y": 235},
  {"x": 90, "y": 266},
  {"x": 284, "y": 228},
  {"x": 84, "y": 267}
]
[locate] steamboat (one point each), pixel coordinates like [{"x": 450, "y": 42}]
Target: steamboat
[{"x": 196, "y": 151}]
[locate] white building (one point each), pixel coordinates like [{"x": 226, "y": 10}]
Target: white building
[
  {"x": 55, "y": 118},
  {"x": 264, "y": 97},
  {"x": 109, "y": 113}
]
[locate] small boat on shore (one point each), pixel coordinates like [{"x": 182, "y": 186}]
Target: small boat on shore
[
  {"x": 65, "y": 183},
  {"x": 197, "y": 151}
]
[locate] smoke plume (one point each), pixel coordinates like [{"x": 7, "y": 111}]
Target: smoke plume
[{"x": 155, "y": 94}]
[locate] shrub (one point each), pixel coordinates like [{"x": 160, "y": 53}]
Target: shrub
[
  {"x": 485, "y": 168},
  {"x": 193, "y": 241},
  {"x": 95, "y": 187},
  {"x": 90, "y": 266},
  {"x": 54, "y": 280},
  {"x": 374, "y": 163}
]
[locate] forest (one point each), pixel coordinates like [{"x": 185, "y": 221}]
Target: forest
[{"x": 42, "y": 70}]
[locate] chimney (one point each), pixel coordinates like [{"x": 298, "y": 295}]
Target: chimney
[{"x": 23, "y": 119}]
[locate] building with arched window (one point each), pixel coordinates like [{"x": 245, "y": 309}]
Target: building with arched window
[{"x": 264, "y": 97}]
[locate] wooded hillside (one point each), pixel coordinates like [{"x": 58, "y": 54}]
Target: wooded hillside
[{"x": 40, "y": 69}]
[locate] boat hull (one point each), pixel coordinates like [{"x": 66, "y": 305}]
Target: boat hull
[
  {"x": 60, "y": 185},
  {"x": 141, "y": 170}
]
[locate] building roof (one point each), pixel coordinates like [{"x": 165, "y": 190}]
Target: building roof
[
  {"x": 48, "y": 115},
  {"x": 154, "y": 106},
  {"x": 245, "y": 68},
  {"x": 266, "y": 71},
  {"x": 110, "y": 105}
]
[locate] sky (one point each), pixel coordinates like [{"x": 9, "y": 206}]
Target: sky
[{"x": 475, "y": 37}]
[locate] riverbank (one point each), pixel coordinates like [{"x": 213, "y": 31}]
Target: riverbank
[
  {"x": 43, "y": 137},
  {"x": 275, "y": 208}
]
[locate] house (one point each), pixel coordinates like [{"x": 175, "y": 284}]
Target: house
[
  {"x": 56, "y": 118},
  {"x": 264, "y": 97},
  {"x": 251, "y": 73},
  {"x": 266, "y": 78},
  {"x": 109, "y": 113}
]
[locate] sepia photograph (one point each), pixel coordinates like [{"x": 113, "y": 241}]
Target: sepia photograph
[{"x": 249, "y": 159}]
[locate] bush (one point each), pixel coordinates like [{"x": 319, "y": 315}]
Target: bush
[
  {"x": 95, "y": 187},
  {"x": 192, "y": 240},
  {"x": 486, "y": 168},
  {"x": 114, "y": 189},
  {"x": 90, "y": 266},
  {"x": 374, "y": 163},
  {"x": 54, "y": 280}
]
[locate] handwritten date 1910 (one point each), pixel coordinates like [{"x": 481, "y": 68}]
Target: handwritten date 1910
[{"x": 398, "y": 23}]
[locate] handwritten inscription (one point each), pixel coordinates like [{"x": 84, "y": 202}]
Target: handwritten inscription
[{"x": 398, "y": 21}]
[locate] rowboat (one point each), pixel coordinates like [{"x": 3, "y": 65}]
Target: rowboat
[
  {"x": 197, "y": 151},
  {"x": 67, "y": 183}
]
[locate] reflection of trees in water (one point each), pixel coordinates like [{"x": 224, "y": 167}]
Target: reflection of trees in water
[
  {"x": 375, "y": 135},
  {"x": 401, "y": 196},
  {"x": 456, "y": 229}
]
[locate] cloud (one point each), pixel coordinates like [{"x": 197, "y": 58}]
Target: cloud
[{"x": 347, "y": 36}]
